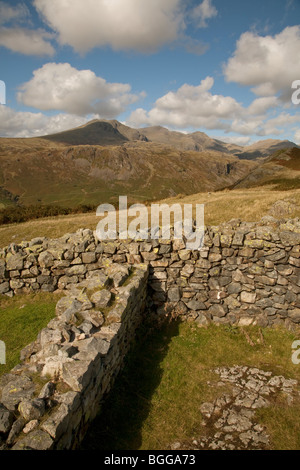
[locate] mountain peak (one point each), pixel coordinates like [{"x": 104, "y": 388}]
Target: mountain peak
[{"x": 112, "y": 132}]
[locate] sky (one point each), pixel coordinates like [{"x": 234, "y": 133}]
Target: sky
[{"x": 223, "y": 67}]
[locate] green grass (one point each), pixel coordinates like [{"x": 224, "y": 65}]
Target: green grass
[
  {"x": 283, "y": 425},
  {"x": 21, "y": 319},
  {"x": 156, "y": 399}
]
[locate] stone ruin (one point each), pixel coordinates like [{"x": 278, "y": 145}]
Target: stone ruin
[{"x": 246, "y": 273}]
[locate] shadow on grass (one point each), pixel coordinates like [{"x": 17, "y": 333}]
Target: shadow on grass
[{"x": 118, "y": 426}]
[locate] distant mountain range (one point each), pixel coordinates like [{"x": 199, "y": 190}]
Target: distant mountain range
[
  {"x": 102, "y": 132},
  {"x": 101, "y": 160}
]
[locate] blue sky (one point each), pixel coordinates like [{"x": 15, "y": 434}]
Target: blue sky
[{"x": 224, "y": 67}]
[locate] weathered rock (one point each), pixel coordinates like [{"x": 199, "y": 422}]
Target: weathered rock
[
  {"x": 47, "y": 390},
  {"x": 17, "y": 389},
  {"x": 218, "y": 310},
  {"x": 248, "y": 297},
  {"x": 32, "y": 409},
  {"x": 48, "y": 335},
  {"x": 16, "y": 428},
  {"x": 30, "y": 426},
  {"x": 35, "y": 440},
  {"x": 15, "y": 262},
  {"x": 46, "y": 259},
  {"x": 174, "y": 294},
  {"x": 57, "y": 424},
  {"x": 196, "y": 305},
  {"x": 6, "y": 420},
  {"x": 101, "y": 299}
]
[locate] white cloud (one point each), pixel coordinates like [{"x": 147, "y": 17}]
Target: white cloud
[
  {"x": 203, "y": 12},
  {"x": 262, "y": 105},
  {"x": 132, "y": 24},
  {"x": 297, "y": 137},
  {"x": 22, "y": 39},
  {"x": 279, "y": 123},
  {"x": 190, "y": 106},
  {"x": 14, "y": 13},
  {"x": 27, "y": 124},
  {"x": 62, "y": 87},
  {"x": 268, "y": 63},
  {"x": 246, "y": 126},
  {"x": 26, "y": 41},
  {"x": 238, "y": 140},
  {"x": 196, "y": 107}
]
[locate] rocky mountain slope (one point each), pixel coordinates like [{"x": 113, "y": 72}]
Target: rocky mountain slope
[
  {"x": 90, "y": 174},
  {"x": 101, "y": 160},
  {"x": 282, "y": 170},
  {"x": 103, "y": 132}
]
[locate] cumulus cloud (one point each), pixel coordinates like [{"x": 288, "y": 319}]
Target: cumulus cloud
[
  {"x": 135, "y": 24},
  {"x": 22, "y": 39},
  {"x": 196, "y": 107},
  {"x": 27, "y": 124},
  {"x": 203, "y": 12},
  {"x": 267, "y": 63},
  {"x": 190, "y": 106},
  {"x": 261, "y": 105},
  {"x": 238, "y": 140},
  {"x": 64, "y": 88},
  {"x": 26, "y": 41},
  {"x": 297, "y": 137}
]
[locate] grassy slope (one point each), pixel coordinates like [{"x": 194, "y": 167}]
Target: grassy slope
[
  {"x": 247, "y": 204},
  {"x": 21, "y": 318},
  {"x": 156, "y": 399}
]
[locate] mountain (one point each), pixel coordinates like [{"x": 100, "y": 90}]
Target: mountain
[
  {"x": 38, "y": 171},
  {"x": 97, "y": 132},
  {"x": 105, "y": 132},
  {"x": 197, "y": 141},
  {"x": 264, "y": 148},
  {"x": 97, "y": 162},
  {"x": 281, "y": 170}
]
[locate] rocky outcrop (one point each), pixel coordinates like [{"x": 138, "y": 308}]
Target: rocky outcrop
[{"x": 230, "y": 420}]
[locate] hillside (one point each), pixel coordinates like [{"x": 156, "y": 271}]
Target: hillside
[
  {"x": 89, "y": 174},
  {"x": 101, "y": 160},
  {"x": 282, "y": 170}
]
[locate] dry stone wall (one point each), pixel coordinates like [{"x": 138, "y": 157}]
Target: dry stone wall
[
  {"x": 48, "y": 400},
  {"x": 246, "y": 273}
]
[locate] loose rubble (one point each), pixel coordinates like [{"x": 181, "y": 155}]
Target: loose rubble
[{"x": 229, "y": 422}]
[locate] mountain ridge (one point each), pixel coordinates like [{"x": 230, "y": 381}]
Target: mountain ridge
[
  {"x": 112, "y": 132},
  {"x": 71, "y": 168}
]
